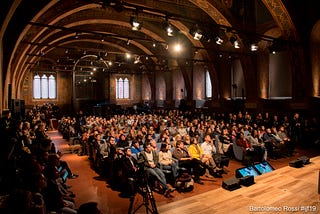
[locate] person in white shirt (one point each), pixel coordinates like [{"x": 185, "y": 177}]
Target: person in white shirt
[{"x": 209, "y": 148}]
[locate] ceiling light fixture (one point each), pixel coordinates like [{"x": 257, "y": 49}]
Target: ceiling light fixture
[
  {"x": 254, "y": 47},
  {"x": 234, "y": 42},
  {"x": 196, "y": 32},
  {"x": 197, "y": 35},
  {"x": 218, "y": 40},
  {"x": 135, "y": 24},
  {"x": 128, "y": 55},
  {"x": 177, "y": 47},
  {"x": 168, "y": 28},
  {"x": 136, "y": 60}
]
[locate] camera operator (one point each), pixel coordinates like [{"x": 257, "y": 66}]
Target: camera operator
[{"x": 150, "y": 160}]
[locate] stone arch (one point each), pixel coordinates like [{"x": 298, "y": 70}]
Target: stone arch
[{"x": 315, "y": 58}]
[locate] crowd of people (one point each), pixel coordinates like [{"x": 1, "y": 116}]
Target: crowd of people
[
  {"x": 33, "y": 176},
  {"x": 168, "y": 143},
  {"x": 163, "y": 144}
]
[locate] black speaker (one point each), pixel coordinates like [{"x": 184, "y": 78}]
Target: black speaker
[
  {"x": 304, "y": 159},
  {"x": 231, "y": 184},
  {"x": 247, "y": 180},
  {"x": 16, "y": 108},
  {"x": 296, "y": 163}
]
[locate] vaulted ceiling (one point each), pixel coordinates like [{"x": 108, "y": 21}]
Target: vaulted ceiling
[{"x": 55, "y": 35}]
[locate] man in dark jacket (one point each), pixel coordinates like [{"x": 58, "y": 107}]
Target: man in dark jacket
[{"x": 150, "y": 160}]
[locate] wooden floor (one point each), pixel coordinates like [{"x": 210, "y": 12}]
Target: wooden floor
[
  {"x": 286, "y": 186},
  {"x": 283, "y": 190}
]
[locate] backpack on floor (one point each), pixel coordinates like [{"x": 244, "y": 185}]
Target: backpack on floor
[{"x": 184, "y": 183}]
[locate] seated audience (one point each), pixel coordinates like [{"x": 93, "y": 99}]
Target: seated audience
[
  {"x": 287, "y": 141},
  {"x": 150, "y": 160},
  {"x": 225, "y": 143},
  {"x": 185, "y": 160},
  {"x": 135, "y": 148},
  {"x": 165, "y": 160},
  {"x": 208, "y": 149},
  {"x": 258, "y": 145},
  {"x": 248, "y": 150},
  {"x": 274, "y": 144},
  {"x": 55, "y": 200}
]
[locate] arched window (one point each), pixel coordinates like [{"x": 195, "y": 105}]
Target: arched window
[
  {"x": 44, "y": 87},
  {"x": 208, "y": 85},
  {"x": 52, "y": 87},
  {"x": 126, "y": 88},
  {"x": 122, "y": 88},
  {"x": 36, "y": 87}
]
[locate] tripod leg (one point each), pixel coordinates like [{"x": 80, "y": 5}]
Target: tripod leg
[
  {"x": 131, "y": 205},
  {"x": 152, "y": 201}
]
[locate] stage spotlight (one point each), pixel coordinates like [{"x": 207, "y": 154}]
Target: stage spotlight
[
  {"x": 137, "y": 60},
  {"x": 136, "y": 25},
  {"x": 177, "y": 47},
  {"x": 128, "y": 55},
  {"x": 219, "y": 40},
  {"x": 234, "y": 42},
  {"x": 254, "y": 47},
  {"x": 168, "y": 28},
  {"x": 196, "y": 33}
]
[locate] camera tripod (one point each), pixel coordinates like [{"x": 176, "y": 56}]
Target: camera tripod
[{"x": 148, "y": 200}]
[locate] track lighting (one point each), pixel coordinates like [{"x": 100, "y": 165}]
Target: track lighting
[
  {"x": 136, "y": 60},
  {"x": 254, "y": 47},
  {"x": 234, "y": 42},
  {"x": 196, "y": 33},
  {"x": 218, "y": 40},
  {"x": 135, "y": 24},
  {"x": 168, "y": 28},
  {"x": 128, "y": 55}
]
